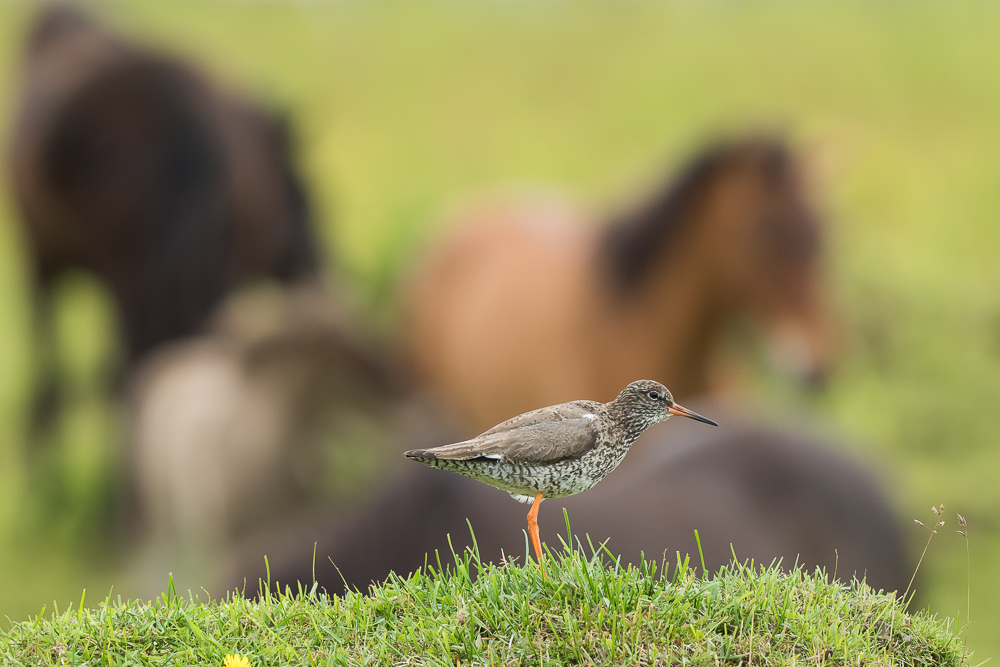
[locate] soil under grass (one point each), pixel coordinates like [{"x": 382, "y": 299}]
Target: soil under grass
[{"x": 585, "y": 611}]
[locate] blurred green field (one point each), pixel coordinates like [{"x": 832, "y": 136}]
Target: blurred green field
[{"x": 402, "y": 107}]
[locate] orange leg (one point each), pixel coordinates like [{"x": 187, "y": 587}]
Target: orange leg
[{"x": 533, "y": 529}]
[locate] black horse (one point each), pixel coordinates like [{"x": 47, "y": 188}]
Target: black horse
[{"x": 133, "y": 167}]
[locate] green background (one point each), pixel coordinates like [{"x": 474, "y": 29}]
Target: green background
[{"x": 402, "y": 107}]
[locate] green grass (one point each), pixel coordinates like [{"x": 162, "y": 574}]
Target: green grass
[
  {"x": 583, "y": 611},
  {"x": 402, "y": 107}
]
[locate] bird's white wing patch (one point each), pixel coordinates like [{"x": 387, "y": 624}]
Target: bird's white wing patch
[
  {"x": 590, "y": 416},
  {"x": 495, "y": 457}
]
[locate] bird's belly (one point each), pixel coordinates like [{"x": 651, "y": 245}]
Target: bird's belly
[{"x": 556, "y": 480}]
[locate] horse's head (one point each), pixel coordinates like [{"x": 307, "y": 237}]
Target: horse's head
[
  {"x": 737, "y": 228},
  {"x": 770, "y": 246}
]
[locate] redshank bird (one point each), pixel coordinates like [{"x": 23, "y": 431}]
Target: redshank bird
[{"x": 560, "y": 450}]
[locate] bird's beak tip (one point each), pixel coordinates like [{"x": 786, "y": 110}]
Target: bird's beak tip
[{"x": 684, "y": 412}]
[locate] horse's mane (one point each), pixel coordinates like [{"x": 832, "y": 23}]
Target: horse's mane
[{"x": 632, "y": 244}]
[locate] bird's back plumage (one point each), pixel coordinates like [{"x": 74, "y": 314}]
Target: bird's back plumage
[{"x": 542, "y": 436}]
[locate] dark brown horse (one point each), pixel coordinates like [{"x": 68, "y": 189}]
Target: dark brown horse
[
  {"x": 761, "y": 492},
  {"x": 135, "y": 168},
  {"x": 527, "y": 303}
]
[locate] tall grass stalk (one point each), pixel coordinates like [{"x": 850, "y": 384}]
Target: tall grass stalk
[
  {"x": 968, "y": 576},
  {"x": 938, "y": 511}
]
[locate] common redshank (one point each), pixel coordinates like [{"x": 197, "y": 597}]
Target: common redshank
[{"x": 560, "y": 450}]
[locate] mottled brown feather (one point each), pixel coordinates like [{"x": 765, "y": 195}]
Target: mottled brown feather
[{"x": 541, "y": 436}]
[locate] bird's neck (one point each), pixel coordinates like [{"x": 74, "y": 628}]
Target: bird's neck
[{"x": 632, "y": 425}]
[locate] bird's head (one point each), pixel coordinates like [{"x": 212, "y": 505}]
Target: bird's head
[{"x": 652, "y": 403}]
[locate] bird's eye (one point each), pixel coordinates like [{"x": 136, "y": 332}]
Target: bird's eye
[{"x": 655, "y": 395}]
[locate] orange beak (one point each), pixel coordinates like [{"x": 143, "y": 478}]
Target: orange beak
[{"x": 684, "y": 412}]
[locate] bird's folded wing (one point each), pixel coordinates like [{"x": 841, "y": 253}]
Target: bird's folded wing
[
  {"x": 555, "y": 413},
  {"x": 542, "y": 436}
]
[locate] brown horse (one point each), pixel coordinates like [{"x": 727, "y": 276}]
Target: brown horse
[
  {"x": 754, "y": 490},
  {"x": 133, "y": 167},
  {"x": 527, "y": 304}
]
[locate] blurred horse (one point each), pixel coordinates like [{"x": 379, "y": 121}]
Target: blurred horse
[
  {"x": 752, "y": 490},
  {"x": 281, "y": 405},
  {"x": 525, "y": 304},
  {"x": 133, "y": 167}
]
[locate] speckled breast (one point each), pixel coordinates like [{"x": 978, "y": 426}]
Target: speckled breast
[{"x": 555, "y": 480}]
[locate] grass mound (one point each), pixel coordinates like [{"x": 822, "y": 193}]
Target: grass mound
[{"x": 585, "y": 611}]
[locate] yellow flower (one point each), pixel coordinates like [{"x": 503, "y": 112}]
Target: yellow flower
[{"x": 236, "y": 660}]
